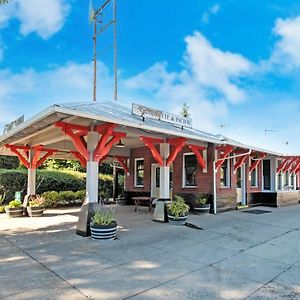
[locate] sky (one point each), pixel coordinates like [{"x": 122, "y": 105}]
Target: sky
[{"x": 236, "y": 64}]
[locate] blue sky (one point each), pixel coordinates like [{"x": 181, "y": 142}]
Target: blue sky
[{"x": 233, "y": 62}]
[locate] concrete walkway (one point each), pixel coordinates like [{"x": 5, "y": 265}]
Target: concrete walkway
[{"x": 237, "y": 256}]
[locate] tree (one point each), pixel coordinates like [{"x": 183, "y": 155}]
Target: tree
[{"x": 185, "y": 110}]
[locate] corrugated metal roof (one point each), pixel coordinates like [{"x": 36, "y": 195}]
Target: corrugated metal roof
[{"x": 116, "y": 113}]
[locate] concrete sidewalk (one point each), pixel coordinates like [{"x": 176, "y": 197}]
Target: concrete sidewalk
[{"x": 237, "y": 256}]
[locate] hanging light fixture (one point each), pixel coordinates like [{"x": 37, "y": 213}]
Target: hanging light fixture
[{"x": 120, "y": 144}]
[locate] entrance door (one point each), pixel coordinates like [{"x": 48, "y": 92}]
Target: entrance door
[
  {"x": 266, "y": 175},
  {"x": 155, "y": 180},
  {"x": 241, "y": 185}
]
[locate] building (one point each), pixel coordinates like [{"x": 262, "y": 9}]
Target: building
[{"x": 160, "y": 152}]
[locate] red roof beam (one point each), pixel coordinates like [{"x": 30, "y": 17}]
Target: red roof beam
[
  {"x": 240, "y": 161},
  {"x": 296, "y": 166},
  {"x": 123, "y": 162},
  {"x": 196, "y": 149},
  {"x": 289, "y": 164},
  {"x": 80, "y": 157},
  {"x": 150, "y": 143},
  {"x": 15, "y": 149},
  {"x": 226, "y": 151},
  {"x": 282, "y": 165},
  {"x": 256, "y": 162},
  {"x": 178, "y": 144}
]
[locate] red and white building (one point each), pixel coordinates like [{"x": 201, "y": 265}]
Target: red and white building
[{"x": 161, "y": 153}]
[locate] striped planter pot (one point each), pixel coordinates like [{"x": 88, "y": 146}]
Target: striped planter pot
[
  {"x": 104, "y": 232},
  {"x": 179, "y": 221},
  {"x": 35, "y": 211},
  {"x": 14, "y": 212},
  {"x": 202, "y": 209}
]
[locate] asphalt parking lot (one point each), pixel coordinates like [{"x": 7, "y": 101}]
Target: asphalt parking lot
[{"x": 238, "y": 255}]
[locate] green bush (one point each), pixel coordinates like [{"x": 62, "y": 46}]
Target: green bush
[
  {"x": 15, "y": 204},
  {"x": 80, "y": 195},
  {"x": 102, "y": 217},
  {"x": 51, "y": 198},
  {"x": 67, "y": 196},
  {"x": 2, "y": 209},
  {"x": 178, "y": 208}
]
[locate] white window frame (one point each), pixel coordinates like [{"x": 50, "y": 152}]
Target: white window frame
[
  {"x": 256, "y": 178},
  {"x": 183, "y": 172},
  {"x": 135, "y": 172},
  {"x": 228, "y": 186}
]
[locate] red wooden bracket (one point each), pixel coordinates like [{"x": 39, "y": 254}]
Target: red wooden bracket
[
  {"x": 178, "y": 144},
  {"x": 102, "y": 159},
  {"x": 149, "y": 142},
  {"x": 296, "y": 166},
  {"x": 104, "y": 145},
  {"x": 37, "y": 161},
  {"x": 76, "y": 133},
  {"x": 123, "y": 162},
  {"x": 282, "y": 165},
  {"x": 240, "y": 161},
  {"x": 226, "y": 151},
  {"x": 289, "y": 164},
  {"x": 297, "y": 170},
  {"x": 200, "y": 159},
  {"x": 256, "y": 162},
  {"x": 80, "y": 158},
  {"x": 16, "y": 149}
]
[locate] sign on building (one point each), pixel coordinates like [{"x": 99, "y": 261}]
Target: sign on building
[{"x": 150, "y": 113}]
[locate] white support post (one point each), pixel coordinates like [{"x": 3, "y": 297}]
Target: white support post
[
  {"x": 164, "y": 173},
  {"x": 92, "y": 169},
  {"x": 31, "y": 184}
]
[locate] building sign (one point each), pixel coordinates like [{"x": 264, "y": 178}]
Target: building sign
[
  {"x": 10, "y": 126},
  {"x": 147, "y": 112}
]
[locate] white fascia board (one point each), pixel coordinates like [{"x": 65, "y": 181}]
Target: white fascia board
[{"x": 36, "y": 118}]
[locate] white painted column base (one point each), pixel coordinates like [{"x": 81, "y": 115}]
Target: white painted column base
[{"x": 92, "y": 170}]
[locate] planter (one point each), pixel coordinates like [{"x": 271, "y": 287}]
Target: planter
[
  {"x": 104, "y": 232},
  {"x": 14, "y": 212},
  {"x": 179, "y": 221},
  {"x": 35, "y": 211},
  {"x": 202, "y": 209}
]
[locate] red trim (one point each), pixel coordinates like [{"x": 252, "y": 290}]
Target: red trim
[
  {"x": 149, "y": 142},
  {"x": 178, "y": 143},
  {"x": 296, "y": 166},
  {"x": 15, "y": 149},
  {"x": 282, "y": 165},
  {"x": 240, "y": 161},
  {"x": 226, "y": 151},
  {"x": 76, "y": 133},
  {"x": 80, "y": 158},
  {"x": 255, "y": 164},
  {"x": 102, "y": 159},
  {"x": 200, "y": 159},
  {"x": 289, "y": 164},
  {"x": 123, "y": 162}
]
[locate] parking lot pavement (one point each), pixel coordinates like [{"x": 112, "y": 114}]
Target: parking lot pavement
[{"x": 236, "y": 256}]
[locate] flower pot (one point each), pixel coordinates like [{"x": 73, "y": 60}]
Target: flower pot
[
  {"x": 179, "y": 221},
  {"x": 202, "y": 209},
  {"x": 14, "y": 212},
  {"x": 37, "y": 211},
  {"x": 104, "y": 232}
]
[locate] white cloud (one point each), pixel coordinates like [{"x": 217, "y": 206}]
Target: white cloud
[
  {"x": 213, "y": 10},
  {"x": 215, "y": 68},
  {"x": 286, "y": 54},
  {"x": 44, "y": 17}
]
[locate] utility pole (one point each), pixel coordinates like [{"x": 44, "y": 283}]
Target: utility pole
[{"x": 100, "y": 27}]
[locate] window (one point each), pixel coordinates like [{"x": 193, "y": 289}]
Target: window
[
  {"x": 225, "y": 174},
  {"x": 254, "y": 178},
  {"x": 139, "y": 172},
  {"x": 190, "y": 170},
  {"x": 267, "y": 174}
]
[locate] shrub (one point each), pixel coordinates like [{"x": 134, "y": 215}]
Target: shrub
[
  {"x": 2, "y": 209},
  {"x": 80, "y": 195},
  {"x": 15, "y": 204},
  {"x": 201, "y": 200},
  {"x": 178, "y": 208},
  {"x": 67, "y": 196},
  {"x": 51, "y": 198}
]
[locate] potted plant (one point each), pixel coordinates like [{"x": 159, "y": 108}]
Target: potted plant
[
  {"x": 2, "y": 207},
  {"x": 202, "y": 204},
  {"x": 103, "y": 226},
  {"x": 177, "y": 211},
  {"x": 36, "y": 206},
  {"x": 14, "y": 209}
]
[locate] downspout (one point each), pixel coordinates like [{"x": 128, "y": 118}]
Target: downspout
[{"x": 215, "y": 175}]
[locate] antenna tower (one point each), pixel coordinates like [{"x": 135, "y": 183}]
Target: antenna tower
[{"x": 99, "y": 27}]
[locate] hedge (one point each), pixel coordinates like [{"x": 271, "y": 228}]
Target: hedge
[{"x": 16, "y": 180}]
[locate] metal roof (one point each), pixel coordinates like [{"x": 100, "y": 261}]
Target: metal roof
[{"x": 116, "y": 113}]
